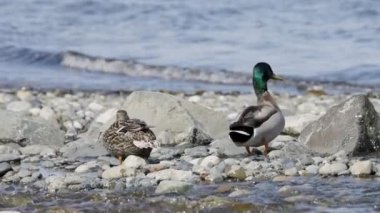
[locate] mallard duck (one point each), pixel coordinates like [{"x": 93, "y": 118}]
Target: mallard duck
[
  {"x": 259, "y": 125},
  {"x": 129, "y": 137}
]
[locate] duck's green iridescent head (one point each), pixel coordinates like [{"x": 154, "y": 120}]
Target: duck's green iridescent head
[{"x": 262, "y": 72}]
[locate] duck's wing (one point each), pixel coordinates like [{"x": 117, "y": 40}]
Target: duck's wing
[
  {"x": 133, "y": 125},
  {"x": 254, "y": 116}
]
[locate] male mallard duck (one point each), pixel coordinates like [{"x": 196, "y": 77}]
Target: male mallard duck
[
  {"x": 128, "y": 137},
  {"x": 259, "y": 125}
]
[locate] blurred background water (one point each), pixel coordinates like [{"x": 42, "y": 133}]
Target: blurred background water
[{"x": 147, "y": 44}]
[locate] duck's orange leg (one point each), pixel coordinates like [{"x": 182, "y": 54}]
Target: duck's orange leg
[
  {"x": 120, "y": 159},
  {"x": 266, "y": 150},
  {"x": 248, "y": 150}
]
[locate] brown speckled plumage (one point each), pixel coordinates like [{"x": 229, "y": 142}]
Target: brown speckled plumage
[{"x": 119, "y": 138}]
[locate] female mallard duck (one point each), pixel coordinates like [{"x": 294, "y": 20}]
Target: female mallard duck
[
  {"x": 128, "y": 137},
  {"x": 259, "y": 125}
]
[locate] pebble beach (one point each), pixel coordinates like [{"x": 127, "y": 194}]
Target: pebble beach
[{"x": 50, "y": 145}]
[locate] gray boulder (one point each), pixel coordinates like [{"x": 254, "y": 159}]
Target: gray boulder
[
  {"x": 352, "y": 126},
  {"x": 24, "y": 130},
  {"x": 185, "y": 120}
]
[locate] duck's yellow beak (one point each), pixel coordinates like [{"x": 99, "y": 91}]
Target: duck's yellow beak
[{"x": 277, "y": 78}]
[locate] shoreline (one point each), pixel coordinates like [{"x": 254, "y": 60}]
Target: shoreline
[{"x": 77, "y": 162}]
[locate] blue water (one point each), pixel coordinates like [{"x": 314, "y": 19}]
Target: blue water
[{"x": 116, "y": 40}]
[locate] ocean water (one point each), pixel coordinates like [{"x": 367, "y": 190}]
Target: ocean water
[{"x": 172, "y": 44}]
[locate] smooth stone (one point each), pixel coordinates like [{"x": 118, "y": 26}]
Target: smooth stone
[
  {"x": 118, "y": 172},
  {"x": 106, "y": 116},
  {"x": 215, "y": 176},
  {"x": 27, "y": 180},
  {"x": 55, "y": 183},
  {"x": 317, "y": 160},
  {"x": 9, "y": 157},
  {"x": 237, "y": 172},
  {"x": 282, "y": 179},
  {"x": 133, "y": 161},
  {"x": 85, "y": 167},
  {"x": 231, "y": 161},
  {"x": 96, "y": 107},
  {"x": 24, "y": 173},
  {"x": 332, "y": 169},
  {"x": 210, "y": 161},
  {"x": 275, "y": 154},
  {"x": 195, "y": 98},
  {"x": 225, "y": 147},
  {"x": 48, "y": 164},
  {"x": 171, "y": 174},
  {"x": 4, "y": 168},
  {"x": 47, "y": 113},
  {"x": 24, "y": 95},
  {"x": 198, "y": 151},
  {"x": 6, "y": 98},
  {"x": 352, "y": 126},
  {"x": 163, "y": 153},
  {"x": 289, "y": 190},
  {"x": 37, "y": 149},
  {"x": 5, "y": 149},
  {"x": 291, "y": 171},
  {"x": 239, "y": 192},
  {"x": 312, "y": 169},
  {"x": 173, "y": 186},
  {"x": 361, "y": 168},
  {"x": 377, "y": 169},
  {"x": 19, "y": 106},
  {"x": 300, "y": 198}
]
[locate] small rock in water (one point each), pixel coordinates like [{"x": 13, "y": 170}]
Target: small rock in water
[
  {"x": 291, "y": 171},
  {"x": 332, "y": 169},
  {"x": 172, "y": 186},
  {"x": 361, "y": 168},
  {"x": 312, "y": 169},
  {"x": 237, "y": 172},
  {"x": 239, "y": 192}
]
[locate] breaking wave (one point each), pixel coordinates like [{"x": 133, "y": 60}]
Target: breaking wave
[{"x": 136, "y": 69}]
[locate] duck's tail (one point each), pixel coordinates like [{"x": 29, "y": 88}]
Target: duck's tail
[
  {"x": 241, "y": 134},
  {"x": 146, "y": 144}
]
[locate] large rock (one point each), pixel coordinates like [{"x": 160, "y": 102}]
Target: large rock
[
  {"x": 185, "y": 120},
  {"x": 352, "y": 126},
  {"x": 18, "y": 128}
]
